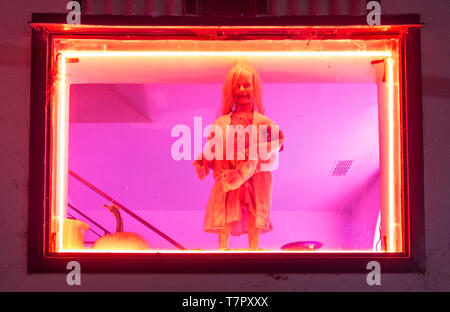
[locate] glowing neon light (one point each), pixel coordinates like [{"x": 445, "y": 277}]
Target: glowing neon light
[
  {"x": 367, "y": 27},
  {"x": 391, "y": 151},
  {"x": 157, "y": 251},
  {"x": 377, "y": 234},
  {"x": 228, "y": 27},
  {"x": 62, "y": 123},
  {"x": 225, "y": 53}
]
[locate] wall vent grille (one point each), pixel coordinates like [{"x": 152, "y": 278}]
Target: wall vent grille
[{"x": 341, "y": 168}]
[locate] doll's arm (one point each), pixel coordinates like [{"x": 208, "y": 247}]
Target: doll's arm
[
  {"x": 269, "y": 161},
  {"x": 201, "y": 167},
  {"x": 201, "y": 163},
  {"x": 233, "y": 179},
  {"x": 272, "y": 145}
]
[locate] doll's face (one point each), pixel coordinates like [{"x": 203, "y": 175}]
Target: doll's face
[{"x": 243, "y": 89}]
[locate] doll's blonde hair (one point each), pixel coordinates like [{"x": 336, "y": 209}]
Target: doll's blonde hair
[{"x": 227, "y": 88}]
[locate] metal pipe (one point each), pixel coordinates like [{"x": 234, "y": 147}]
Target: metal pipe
[
  {"x": 89, "y": 219},
  {"x": 125, "y": 209},
  {"x": 71, "y": 216}
]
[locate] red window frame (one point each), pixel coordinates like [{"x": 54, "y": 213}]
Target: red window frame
[{"x": 47, "y": 27}]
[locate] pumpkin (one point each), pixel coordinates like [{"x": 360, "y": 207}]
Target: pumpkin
[{"x": 120, "y": 240}]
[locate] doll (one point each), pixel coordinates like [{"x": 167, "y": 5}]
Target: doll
[{"x": 241, "y": 198}]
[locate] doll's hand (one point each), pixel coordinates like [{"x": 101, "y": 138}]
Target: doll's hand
[
  {"x": 231, "y": 180},
  {"x": 246, "y": 169}
]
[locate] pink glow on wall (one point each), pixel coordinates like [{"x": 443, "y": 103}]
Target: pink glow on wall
[{"x": 119, "y": 140}]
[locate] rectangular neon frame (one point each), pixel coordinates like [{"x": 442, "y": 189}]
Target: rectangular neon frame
[{"x": 60, "y": 152}]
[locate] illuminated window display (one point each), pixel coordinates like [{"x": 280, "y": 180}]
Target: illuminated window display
[{"x": 277, "y": 146}]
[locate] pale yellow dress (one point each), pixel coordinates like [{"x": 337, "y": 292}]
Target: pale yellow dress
[{"x": 253, "y": 196}]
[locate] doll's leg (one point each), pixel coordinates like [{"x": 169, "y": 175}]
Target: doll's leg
[
  {"x": 253, "y": 232},
  {"x": 224, "y": 237}
]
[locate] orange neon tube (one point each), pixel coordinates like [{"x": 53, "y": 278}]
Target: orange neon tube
[{"x": 62, "y": 128}]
